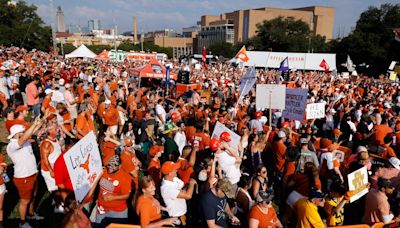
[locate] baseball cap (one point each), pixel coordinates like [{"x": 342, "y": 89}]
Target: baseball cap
[
  {"x": 128, "y": 142},
  {"x": 61, "y": 82},
  {"x": 264, "y": 196},
  {"x": 155, "y": 149},
  {"x": 107, "y": 102},
  {"x": 169, "y": 166},
  {"x": 67, "y": 85},
  {"x": 385, "y": 183},
  {"x": 395, "y": 162},
  {"x": 48, "y": 91},
  {"x": 316, "y": 193},
  {"x": 303, "y": 141},
  {"x": 21, "y": 108},
  {"x": 361, "y": 149},
  {"x": 226, "y": 186},
  {"x": 15, "y": 130},
  {"x": 281, "y": 134}
]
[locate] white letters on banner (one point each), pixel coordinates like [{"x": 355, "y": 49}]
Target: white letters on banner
[
  {"x": 298, "y": 61},
  {"x": 315, "y": 111},
  {"x": 84, "y": 165},
  {"x": 296, "y": 100},
  {"x": 220, "y": 128},
  {"x": 275, "y": 91},
  {"x": 358, "y": 183}
]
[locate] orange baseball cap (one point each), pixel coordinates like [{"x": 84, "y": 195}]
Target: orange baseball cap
[
  {"x": 128, "y": 142},
  {"x": 169, "y": 166},
  {"x": 22, "y": 108},
  {"x": 155, "y": 149}
]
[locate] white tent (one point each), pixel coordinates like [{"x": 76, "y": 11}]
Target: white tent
[{"x": 81, "y": 52}]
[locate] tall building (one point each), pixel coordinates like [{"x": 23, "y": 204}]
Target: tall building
[
  {"x": 60, "y": 20},
  {"x": 94, "y": 25},
  {"x": 320, "y": 19}
]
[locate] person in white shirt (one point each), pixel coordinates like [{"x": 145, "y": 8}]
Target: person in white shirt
[
  {"x": 4, "y": 85},
  {"x": 57, "y": 96},
  {"x": 180, "y": 137},
  {"x": 161, "y": 114},
  {"x": 229, "y": 161},
  {"x": 255, "y": 124},
  {"x": 172, "y": 191},
  {"x": 71, "y": 103},
  {"x": 25, "y": 167}
]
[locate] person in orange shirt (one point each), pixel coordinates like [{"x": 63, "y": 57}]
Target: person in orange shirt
[
  {"x": 111, "y": 117},
  {"x": 381, "y": 131},
  {"x": 279, "y": 152},
  {"x": 263, "y": 215},
  {"x": 84, "y": 122},
  {"x": 185, "y": 170},
  {"x": 130, "y": 163},
  {"x": 114, "y": 191},
  {"x": 108, "y": 145},
  {"x": 148, "y": 208},
  {"x": 3, "y": 101},
  {"x": 22, "y": 113},
  {"x": 46, "y": 103},
  {"x": 154, "y": 167},
  {"x": 388, "y": 150}
]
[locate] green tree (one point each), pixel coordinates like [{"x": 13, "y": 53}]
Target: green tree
[
  {"x": 97, "y": 49},
  {"x": 286, "y": 34},
  {"x": 372, "y": 41},
  {"x": 224, "y": 49},
  {"x": 21, "y": 26},
  {"x": 68, "y": 48}
]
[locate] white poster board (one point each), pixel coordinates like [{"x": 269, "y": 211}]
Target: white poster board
[
  {"x": 220, "y": 128},
  {"x": 84, "y": 165},
  {"x": 315, "y": 111},
  {"x": 273, "y": 94},
  {"x": 358, "y": 183},
  {"x": 296, "y": 101}
]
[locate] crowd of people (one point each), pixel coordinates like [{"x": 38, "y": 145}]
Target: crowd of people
[{"x": 162, "y": 167}]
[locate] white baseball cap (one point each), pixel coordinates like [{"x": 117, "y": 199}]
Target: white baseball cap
[
  {"x": 107, "y": 102},
  {"x": 281, "y": 134},
  {"x": 395, "y": 162},
  {"x": 67, "y": 85},
  {"x": 18, "y": 128},
  {"x": 61, "y": 82},
  {"x": 48, "y": 91}
]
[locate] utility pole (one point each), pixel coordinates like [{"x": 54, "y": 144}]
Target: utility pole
[{"x": 53, "y": 32}]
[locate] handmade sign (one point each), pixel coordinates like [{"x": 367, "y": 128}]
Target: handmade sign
[
  {"x": 270, "y": 96},
  {"x": 220, "y": 128},
  {"x": 315, "y": 111},
  {"x": 84, "y": 165},
  {"x": 358, "y": 183},
  {"x": 295, "y": 105}
]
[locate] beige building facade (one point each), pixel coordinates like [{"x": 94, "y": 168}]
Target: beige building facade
[{"x": 319, "y": 18}]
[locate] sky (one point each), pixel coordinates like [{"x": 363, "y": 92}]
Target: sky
[{"x": 177, "y": 14}]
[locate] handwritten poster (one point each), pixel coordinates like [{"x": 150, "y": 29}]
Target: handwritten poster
[
  {"x": 84, "y": 165},
  {"x": 296, "y": 100},
  {"x": 220, "y": 128},
  {"x": 315, "y": 111},
  {"x": 270, "y": 95},
  {"x": 358, "y": 183}
]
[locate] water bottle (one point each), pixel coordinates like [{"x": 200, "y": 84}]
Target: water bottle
[{"x": 6, "y": 179}]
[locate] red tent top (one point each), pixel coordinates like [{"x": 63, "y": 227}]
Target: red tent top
[
  {"x": 103, "y": 55},
  {"x": 153, "y": 69}
]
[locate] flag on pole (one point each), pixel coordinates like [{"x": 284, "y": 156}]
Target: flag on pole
[
  {"x": 204, "y": 59},
  {"x": 167, "y": 75},
  {"x": 396, "y": 32},
  {"x": 284, "y": 67},
  {"x": 324, "y": 65},
  {"x": 242, "y": 55},
  {"x": 349, "y": 64},
  {"x": 248, "y": 81}
]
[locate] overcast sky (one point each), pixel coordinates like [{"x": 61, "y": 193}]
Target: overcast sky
[{"x": 176, "y": 14}]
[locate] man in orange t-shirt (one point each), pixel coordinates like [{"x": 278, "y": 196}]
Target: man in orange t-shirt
[
  {"x": 111, "y": 117},
  {"x": 279, "y": 151},
  {"x": 84, "y": 122},
  {"x": 113, "y": 194},
  {"x": 154, "y": 167},
  {"x": 130, "y": 163},
  {"x": 186, "y": 166},
  {"x": 381, "y": 131}
]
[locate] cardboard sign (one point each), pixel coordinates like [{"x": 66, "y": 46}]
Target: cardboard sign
[
  {"x": 393, "y": 76},
  {"x": 358, "y": 183},
  {"x": 220, "y": 128},
  {"x": 295, "y": 104},
  {"x": 84, "y": 165},
  {"x": 273, "y": 95},
  {"x": 315, "y": 111}
]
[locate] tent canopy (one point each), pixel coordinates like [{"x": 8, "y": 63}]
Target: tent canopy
[
  {"x": 81, "y": 52},
  {"x": 153, "y": 69},
  {"x": 103, "y": 56}
]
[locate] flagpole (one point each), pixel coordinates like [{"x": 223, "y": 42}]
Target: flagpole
[
  {"x": 239, "y": 100},
  {"x": 270, "y": 109}
]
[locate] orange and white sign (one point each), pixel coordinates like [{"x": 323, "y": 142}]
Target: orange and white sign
[{"x": 84, "y": 165}]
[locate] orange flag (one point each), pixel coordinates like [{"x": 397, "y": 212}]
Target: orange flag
[{"x": 242, "y": 55}]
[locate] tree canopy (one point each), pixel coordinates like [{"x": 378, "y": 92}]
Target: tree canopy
[
  {"x": 286, "y": 34},
  {"x": 21, "y": 26},
  {"x": 372, "y": 41}
]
